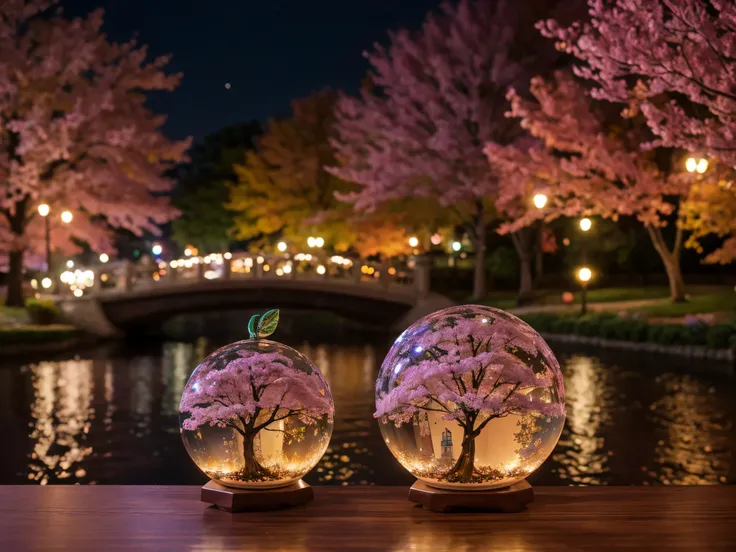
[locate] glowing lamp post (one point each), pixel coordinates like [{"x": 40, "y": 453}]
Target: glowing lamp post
[
  {"x": 540, "y": 201},
  {"x": 66, "y": 217},
  {"x": 584, "y": 275},
  {"x": 696, "y": 165},
  {"x": 585, "y": 224}
]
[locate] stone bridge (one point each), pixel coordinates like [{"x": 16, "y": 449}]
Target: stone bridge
[{"x": 114, "y": 298}]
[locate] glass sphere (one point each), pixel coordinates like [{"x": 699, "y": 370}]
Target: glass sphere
[
  {"x": 256, "y": 414},
  {"x": 470, "y": 398}
]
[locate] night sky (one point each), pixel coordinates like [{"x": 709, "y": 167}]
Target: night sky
[{"x": 269, "y": 51}]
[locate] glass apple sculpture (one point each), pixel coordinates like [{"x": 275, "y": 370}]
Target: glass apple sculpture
[
  {"x": 256, "y": 413},
  {"x": 470, "y": 398}
]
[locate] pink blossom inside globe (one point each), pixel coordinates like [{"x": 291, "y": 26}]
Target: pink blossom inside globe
[
  {"x": 470, "y": 397},
  {"x": 256, "y": 414}
]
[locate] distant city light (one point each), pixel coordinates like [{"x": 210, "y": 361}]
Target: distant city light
[
  {"x": 78, "y": 293},
  {"x": 287, "y": 269},
  {"x": 104, "y": 258},
  {"x": 281, "y": 246},
  {"x": 44, "y": 210},
  {"x": 436, "y": 239},
  {"x": 34, "y": 283},
  {"x": 228, "y": 255},
  {"x": 188, "y": 252},
  {"x": 66, "y": 217},
  {"x": 319, "y": 242},
  {"x": 310, "y": 241},
  {"x": 585, "y": 224},
  {"x": 456, "y": 246},
  {"x": 157, "y": 249},
  {"x": 70, "y": 264},
  {"x": 321, "y": 270},
  {"x": 540, "y": 200},
  {"x": 46, "y": 283},
  {"x": 413, "y": 241}
]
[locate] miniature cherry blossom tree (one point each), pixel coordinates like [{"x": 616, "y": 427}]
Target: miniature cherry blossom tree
[
  {"x": 680, "y": 54},
  {"x": 251, "y": 394},
  {"x": 251, "y": 391},
  {"x": 587, "y": 166},
  {"x": 75, "y": 134},
  {"x": 472, "y": 378}
]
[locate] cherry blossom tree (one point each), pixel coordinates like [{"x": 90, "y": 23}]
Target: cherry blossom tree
[
  {"x": 470, "y": 377},
  {"x": 75, "y": 134},
  {"x": 436, "y": 97},
  {"x": 249, "y": 392},
  {"x": 680, "y": 53},
  {"x": 586, "y": 167}
]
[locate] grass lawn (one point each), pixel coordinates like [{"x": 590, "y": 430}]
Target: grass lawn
[
  {"x": 722, "y": 301},
  {"x": 507, "y": 300},
  {"x": 12, "y": 314}
]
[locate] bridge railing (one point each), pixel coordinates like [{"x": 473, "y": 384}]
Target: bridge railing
[{"x": 127, "y": 276}]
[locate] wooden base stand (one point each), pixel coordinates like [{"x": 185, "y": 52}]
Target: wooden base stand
[
  {"x": 507, "y": 499},
  {"x": 245, "y": 500}
]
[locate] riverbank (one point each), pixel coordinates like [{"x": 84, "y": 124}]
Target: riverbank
[{"x": 24, "y": 339}]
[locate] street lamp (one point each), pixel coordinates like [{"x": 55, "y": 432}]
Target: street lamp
[
  {"x": 66, "y": 217},
  {"x": 157, "y": 249},
  {"x": 584, "y": 275},
  {"x": 104, "y": 258},
  {"x": 540, "y": 200},
  {"x": 456, "y": 246},
  {"x": 413, "y": 241},
  {"x": 586, "y": 224},
  {"x": 281, "y": 246},
  {"x": 696, "y": 164},
  {"x": 319, "y": 242}
]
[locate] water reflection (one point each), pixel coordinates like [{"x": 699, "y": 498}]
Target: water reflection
[{"x": 111, "y": 417}]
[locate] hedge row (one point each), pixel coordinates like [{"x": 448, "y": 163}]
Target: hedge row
[{"x": 609, "y": 325}]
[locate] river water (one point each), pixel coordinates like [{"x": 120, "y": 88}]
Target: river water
[{"x": 109, "y": 415}]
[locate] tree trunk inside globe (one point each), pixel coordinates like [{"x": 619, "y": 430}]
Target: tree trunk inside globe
[
  {"x": 14, "y": 296},
  {"x": 462, "y": 471},
  {"x": 253, "y": 471}
]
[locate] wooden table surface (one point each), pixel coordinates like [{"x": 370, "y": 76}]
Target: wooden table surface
[{"x": 105, "y": 518}]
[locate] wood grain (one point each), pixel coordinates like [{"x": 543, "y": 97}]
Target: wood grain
[{"x": 113, "y": 518}]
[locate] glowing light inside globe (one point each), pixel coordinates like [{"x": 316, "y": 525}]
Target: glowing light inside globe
[{"x": 470, "y": 397}]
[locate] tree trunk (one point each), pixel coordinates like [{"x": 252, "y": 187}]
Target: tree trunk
[
  {"x": 480, "y": 289},
  {"x": 539, "y": 257},
  {"x": 14, "y": 296},
  {"x": 462, "y": 471},
  {"x": 523, "y": 241},
  {"x": 676, "y": 281},
  {"x": 253, "y": 471},
  {"x": 526, "y": 284},
  {"x": 478, "y": 233},
  {"x": 671, "y": 262}
]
